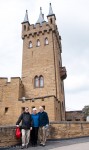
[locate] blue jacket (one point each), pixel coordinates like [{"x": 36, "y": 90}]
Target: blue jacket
[
  {"x": 43, "y": 118},
  {"x": 35, "y": 118}
]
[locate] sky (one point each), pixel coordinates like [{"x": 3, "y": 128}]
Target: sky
[{"x": 72, "y": 18}]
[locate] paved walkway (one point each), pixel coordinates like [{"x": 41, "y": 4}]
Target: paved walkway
[
  {"x": 78, "y": 146},
  {"x": 68, "y": 144}
]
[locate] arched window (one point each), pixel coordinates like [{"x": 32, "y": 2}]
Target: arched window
[
  {"x": 38, "y": 43},
  {"x": 30, "y": 44},
  {"x": 36, "y": 82},
  {"x": 46, "y": 41},
  {"x": 41, "y": 81}
]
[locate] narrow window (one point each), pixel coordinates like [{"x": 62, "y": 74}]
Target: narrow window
[
  {"x": 38, "y": 43},
  {"x": 41, "y": 81},
  {"x": 30, "y": 44},
  {"x": 36, "y": 82},
  {"x": 6, "y": 109},
  {"x": 46, "y": 41},
  {"x": 24, "y": 27},
  {"x": 33, "y": 107},
  {"x": 69, "y": 120},
  {"x": 77, "y": 119},
  {"x": 51, "y": 21},
  {"x": 43, "y": 107},
  {"x": 22, "y": 109}
]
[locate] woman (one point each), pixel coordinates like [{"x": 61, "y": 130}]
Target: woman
[{"x": 35, "y": 127}]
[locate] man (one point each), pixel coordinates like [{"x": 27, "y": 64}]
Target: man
[
  {"x": 43, "y": 125},
  {"x": 35, "y": 127},
  {"x": 26, "y": 126}
]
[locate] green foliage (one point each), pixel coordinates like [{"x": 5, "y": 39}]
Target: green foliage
[{"x": 85, "y": 110}]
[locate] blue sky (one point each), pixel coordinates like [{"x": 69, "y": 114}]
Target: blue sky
[{"x": 73, "y": 25}]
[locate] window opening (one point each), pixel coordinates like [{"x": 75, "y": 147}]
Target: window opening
[
  {"x": 30, "y": 44},
  {"x": 41, "y": 79},
  {"x": 38, "y": 43}
]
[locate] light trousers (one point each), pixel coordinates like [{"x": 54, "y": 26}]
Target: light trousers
[
  {"x": 42, "y": 134},
  {"x": 25, "y": 137}
]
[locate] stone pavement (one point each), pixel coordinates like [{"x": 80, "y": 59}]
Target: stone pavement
[
  {"x": 78, "y": 146},
  {"x": 65, "y": 144}
]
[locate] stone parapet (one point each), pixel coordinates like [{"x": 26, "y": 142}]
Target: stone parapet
[
  {"x": 7, "y": 136},
  {"x": 57, "y": 130},
  {"x": 65, "y": 129}
]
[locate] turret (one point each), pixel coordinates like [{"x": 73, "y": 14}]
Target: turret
[
  {"x": 51, "y": 16},
  {"x": 41, "y": 17},
  {"x": 25, "y": 23}
]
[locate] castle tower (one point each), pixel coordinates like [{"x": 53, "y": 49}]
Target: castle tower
[{"x": 42, "y": 71}]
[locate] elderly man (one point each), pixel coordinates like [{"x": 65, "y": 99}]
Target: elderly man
[
  {"x": 26, "y": 126},
  {"x": 43, "y": 125}
]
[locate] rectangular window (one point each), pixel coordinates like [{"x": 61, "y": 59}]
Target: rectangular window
[
  {"x": 33, "y": 107},
  {"x": 6, "y": 109},
  {"x": 43, "y": 107},
  {"x": 22, "y": 109}
]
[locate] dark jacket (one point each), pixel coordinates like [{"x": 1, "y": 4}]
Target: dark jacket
[
  {"x": 26, "y": 120},
  {"x": 43, "y": 118}
]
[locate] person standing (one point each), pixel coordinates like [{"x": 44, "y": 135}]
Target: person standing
[
  {"x": 43, "y": 125},
  {"x": 35, "y": 127},
  {"x": 26, "y": 126}
]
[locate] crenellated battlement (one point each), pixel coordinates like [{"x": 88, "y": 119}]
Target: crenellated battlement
[
  {"x": 4, "y": 82},
  {"x": 36, "y": 29},
  {"x": 41, "y": 26}
]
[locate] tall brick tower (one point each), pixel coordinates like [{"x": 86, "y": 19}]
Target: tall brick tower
[{"x": 42, "y": 71}]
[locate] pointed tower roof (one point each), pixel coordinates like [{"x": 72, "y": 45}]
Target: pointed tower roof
[
  {"x": 26, "y": 17},
  {"x": 50, "y": 11},
  {"x": 41, "y": 17}
]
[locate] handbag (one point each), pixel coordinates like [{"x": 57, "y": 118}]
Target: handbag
[{"x": 18, "y": 133}]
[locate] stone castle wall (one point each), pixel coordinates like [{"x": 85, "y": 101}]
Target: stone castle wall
[
  {"x": 58, "y": 130},
  {"x": 61, "y": 130},
  {"x": 11, "y": 105}
]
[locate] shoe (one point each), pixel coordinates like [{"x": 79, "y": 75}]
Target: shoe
[
  {"x": 22, "y": 147},
  {"x": 27, "y": 146},
  {"x": 35, "y": 145},
  {"x": 43, "y": 145}
]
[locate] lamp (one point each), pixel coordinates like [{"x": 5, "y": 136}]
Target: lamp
[{"x": 23, "y": 99}]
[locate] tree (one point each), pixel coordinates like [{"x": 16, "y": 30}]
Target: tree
[{"x": 85, "y": 110}]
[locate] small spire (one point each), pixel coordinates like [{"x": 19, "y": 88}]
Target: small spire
[
  {"x": 26, "y": 17},
  {"x": 41, "y": 17},
  {"x": 50, "y": 10}
]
